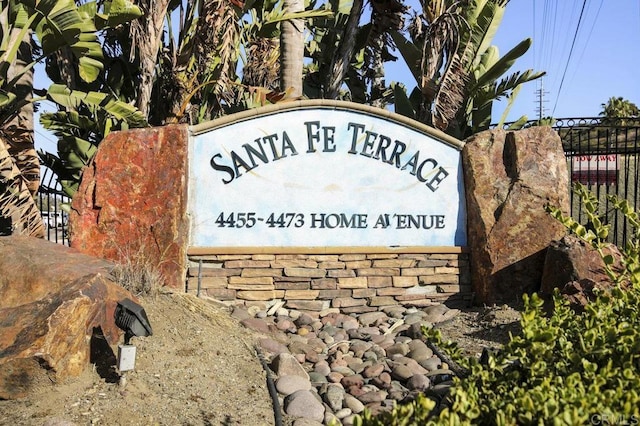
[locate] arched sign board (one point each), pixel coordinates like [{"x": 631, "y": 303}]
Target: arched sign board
[{"x": 318, "y": 174}]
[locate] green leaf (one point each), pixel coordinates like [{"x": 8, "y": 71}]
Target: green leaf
[
  {"x": 507, "y": 109},
  {"x": 484, "y": 18},
  {"x": 6, "y": 98},
  {"x": 411, "y": 54},
  {"x": 402, "y": 103},
  {"x": 121, "y": 11},
  {"x": 95, "y": 100},
  {"x": 503, "y": 64},
  {"x": 519, "y": 123},
  {"x": 89, "y": 68},
  {"x": 61, "y": 23}
]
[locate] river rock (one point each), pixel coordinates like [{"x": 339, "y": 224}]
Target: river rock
[
  {"x": 322, "y": 367},
  {"x": 289, "y": 384},
  {"x": 397, "y": 349},
  {"x": 317, "y": 378},
  {"x": 353, "y": 380},
  {"x": 307, "y": 422},
  {"x": 285, "y": 364},
  {"x": 401, "y": 372},
  {"x": 439, "y": 313},
  {"x": 343, "y": 412},
  {"x": 373, "y": 396},
  {"x": 353, "y": 403},
  {"x": 334, "y": 396},
  {"x": 370, "y": 318},
  {"x": 304, "y": 403},
  {"x": 431, "y": 364},
  {"x": 419, "y": 382},
  {"x": 335, "y": 377},
  {"x": 273, "y": 346},
  {"x": 304, "y": 319},
  {"x": 373, "y": 370},
  {"x": 256, "y": 324},
  {"x": 419, "y": 351}
]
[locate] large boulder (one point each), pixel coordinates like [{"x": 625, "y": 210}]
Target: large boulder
[
  {"x": 577, "y": 270},
  {"x": 125, "y": 209},
  {"x": 53, "y": 300},
  {"x": 571, "y": 259},
  {"x": 509, "y": 177}
]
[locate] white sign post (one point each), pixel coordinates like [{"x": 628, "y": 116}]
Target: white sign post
[{"x": 324, "y": 176}]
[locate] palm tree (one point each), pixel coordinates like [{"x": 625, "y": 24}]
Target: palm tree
[
  {"x": 455, "y": 66},
  {"x": 619, "y": 111},
  {"x": 292, "y": 49},
  {"x": 18, "y": 125},
  {"x": 53, "y": 24},
  {"x": 188, "y": 70},
  {"x": 146, "y": 36},
  {"x": 343, "y": 54}
]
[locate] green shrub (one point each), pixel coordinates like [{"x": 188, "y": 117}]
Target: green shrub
[{"x": 564, "y": 368}]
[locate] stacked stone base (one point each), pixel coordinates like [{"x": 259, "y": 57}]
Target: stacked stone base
[{"x": 352, "y": 283}]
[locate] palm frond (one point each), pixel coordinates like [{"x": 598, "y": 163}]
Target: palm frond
[
  {"x": 18, "y": 209},
  {"x": 262, "y": 67}
]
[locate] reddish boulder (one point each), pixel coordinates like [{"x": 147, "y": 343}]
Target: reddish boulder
[
  {"x": 509, "y": 177},
  {"x": 52, "y": 301},
  {"x": 579, "y": 293},
  {"x": 577, "y": 269},
  {"x": 132, "y": 201},
  {"x": 571, "y": 259}
]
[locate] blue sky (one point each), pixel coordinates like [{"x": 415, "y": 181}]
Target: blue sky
[{"x": 605, "y": 61}]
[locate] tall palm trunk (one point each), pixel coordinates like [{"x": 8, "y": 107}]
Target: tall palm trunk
[
  {"x": 19, "y": 163},
  {"x": 19, "y": 129},
  {"x": 292, "y": 50},
  {"x": 146, "y": 33},
  {"x": 344, "y": 53},
  {"x": 19, "y": 214}
]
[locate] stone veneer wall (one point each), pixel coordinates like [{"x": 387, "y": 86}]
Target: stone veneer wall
[
  {"x": 138, "y": 207},
  {"x": 354, "y": 283}
]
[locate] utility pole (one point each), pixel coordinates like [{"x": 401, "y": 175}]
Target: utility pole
[{"x": 540, "y": 93}]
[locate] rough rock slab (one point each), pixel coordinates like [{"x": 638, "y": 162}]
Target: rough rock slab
[
  {"x": 509, "y": 177},
  {"x": 125, "y": 208},
  {"x": 571, "y": 259},
  {"x": 51, "y": 300}
]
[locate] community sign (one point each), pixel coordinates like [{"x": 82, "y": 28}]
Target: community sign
[{"x": 324, "y": 174}]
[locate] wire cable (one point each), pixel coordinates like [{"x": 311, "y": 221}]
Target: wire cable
[
  {"x": 573, "y": 43},
  {"x": 595, "y": 20}
]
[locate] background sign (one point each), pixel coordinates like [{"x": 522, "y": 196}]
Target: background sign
[
  {"x": 317, "y": 177},
  {"x": 595, "y": 169}
]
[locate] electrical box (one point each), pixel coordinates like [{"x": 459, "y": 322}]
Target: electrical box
[{"x": 126, "y": 357}]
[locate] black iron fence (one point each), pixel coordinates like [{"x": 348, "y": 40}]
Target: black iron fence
[
  {"x": 53, "y": 205},
  {"x": 602, "y": 154}
]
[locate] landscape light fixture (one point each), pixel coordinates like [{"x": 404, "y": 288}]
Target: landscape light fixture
[{"x": 132, "y": 319}]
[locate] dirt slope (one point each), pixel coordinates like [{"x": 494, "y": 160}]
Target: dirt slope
[{"x": 198, "y": 368}]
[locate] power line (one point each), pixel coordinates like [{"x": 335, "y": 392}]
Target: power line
[
  {"x": 573, "y": 43},
  {"x": 595, "y": 20},
  {"x": 44, "y": 139},
  {"x": 533, "y": 3}
]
